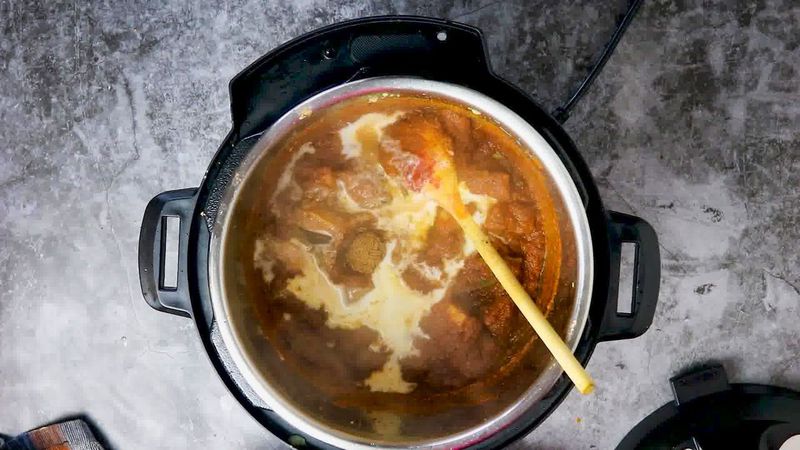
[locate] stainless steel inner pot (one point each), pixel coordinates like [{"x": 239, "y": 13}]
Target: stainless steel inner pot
[{"x": 245, "y": 342}]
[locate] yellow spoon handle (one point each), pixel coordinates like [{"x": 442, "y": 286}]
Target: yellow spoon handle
[{"x": 548, "y": 335}]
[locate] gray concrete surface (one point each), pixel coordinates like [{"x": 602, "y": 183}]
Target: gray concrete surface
[{"x": 694, "y": 125}]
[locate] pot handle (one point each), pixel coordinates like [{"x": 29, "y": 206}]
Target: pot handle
[
  {"x": 152, "y": 249},
  {"x": 624, "y": 228}
]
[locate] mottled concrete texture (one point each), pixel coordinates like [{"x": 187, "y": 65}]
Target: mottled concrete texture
[{"x": 694, "y": 125}]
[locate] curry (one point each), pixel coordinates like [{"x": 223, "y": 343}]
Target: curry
[{"x": 365, "y": 289}]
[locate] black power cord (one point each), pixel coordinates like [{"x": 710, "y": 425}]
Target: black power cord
[{"x": 562, "y": 113}]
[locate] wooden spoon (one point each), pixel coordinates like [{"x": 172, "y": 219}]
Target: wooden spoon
[{"x": 433, "y": 173}]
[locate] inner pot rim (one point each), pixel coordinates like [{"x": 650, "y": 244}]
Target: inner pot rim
[{"x": 530, "y": 139}]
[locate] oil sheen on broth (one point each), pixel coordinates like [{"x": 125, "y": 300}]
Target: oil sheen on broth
[{"x": 369, "y": 287}]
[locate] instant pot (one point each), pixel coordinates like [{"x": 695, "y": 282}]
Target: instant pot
[{"x": 376, "y": 53}]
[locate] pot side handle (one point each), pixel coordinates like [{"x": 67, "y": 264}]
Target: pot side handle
[
  {"x": 624, "y": 228},
  {"x": 152, "y": 251}
]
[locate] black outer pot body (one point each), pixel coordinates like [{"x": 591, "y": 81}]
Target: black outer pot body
[{"x": 411, "y": 46}]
